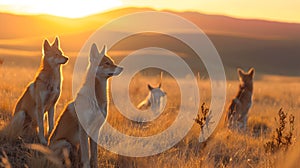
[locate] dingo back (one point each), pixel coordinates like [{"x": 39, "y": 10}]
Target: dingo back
[{"x": 237, "y": 114}]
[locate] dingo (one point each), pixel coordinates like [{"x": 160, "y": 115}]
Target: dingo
[
  {"x": 42, "y": 94},
  {"x": 68, "y": 131},
  {"x": 155, "y": 99},
  {"x": 237, "y": 114}
]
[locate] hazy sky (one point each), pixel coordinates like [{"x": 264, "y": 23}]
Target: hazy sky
[{"x": 279, "y": 10}]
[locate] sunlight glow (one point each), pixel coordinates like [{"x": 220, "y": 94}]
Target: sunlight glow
[
  {"x": 286, "y": 11},
  {"x": 71, "y": 9}
]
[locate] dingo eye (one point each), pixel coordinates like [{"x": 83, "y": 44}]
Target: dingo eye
[{"x": 107, "y": 63}]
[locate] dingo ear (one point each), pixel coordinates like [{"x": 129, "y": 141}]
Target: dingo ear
[
  {"x": 93, "y": 53},
  {"x": 251, "y": 72},
  {"x": 56, "y": 42},
  {"x": 150, "y": 87},
  {"x": 159, "y": 86},
  {"x": 103, "y": 51},
  {"x": 241, "y": 72},
  {"x": 46, "y": 46}
]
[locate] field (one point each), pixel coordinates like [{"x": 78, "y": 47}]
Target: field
[
  {"x": 223, "y": 149},
  {"x": 272, "y": 48}
]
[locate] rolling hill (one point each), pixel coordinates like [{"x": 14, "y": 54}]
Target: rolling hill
[{"x": 271, "y": 47}]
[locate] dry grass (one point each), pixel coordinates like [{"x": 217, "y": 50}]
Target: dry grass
[
  {"x": 283, "y": 137},
  {"x": 223, "y": 149}
]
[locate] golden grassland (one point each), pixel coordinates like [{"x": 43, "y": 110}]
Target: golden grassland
[{"x": 223, "y": 149}]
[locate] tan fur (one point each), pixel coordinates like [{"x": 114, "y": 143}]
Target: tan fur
[
  {"x": 43, "y": 92},
  {"x": 153, "y": 99},
  {"x": 237, "y": 114},
  {"x": 68, "y": 130}
]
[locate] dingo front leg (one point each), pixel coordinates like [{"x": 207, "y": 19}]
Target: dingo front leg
[
  {"x": 245, "y": 118},
  {"x": 94, "y": 153},
  {"x": 50, "y": 119},
  {"x": 40, "y": 121},
  {"x": 84, "y": 148}
]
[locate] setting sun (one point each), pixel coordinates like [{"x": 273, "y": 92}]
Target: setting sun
[
  {"x": 70, "y": 9},
  {"x": 283, "y": 11}
]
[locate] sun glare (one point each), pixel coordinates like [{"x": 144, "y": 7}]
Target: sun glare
[{"x": 70, "y": 9}]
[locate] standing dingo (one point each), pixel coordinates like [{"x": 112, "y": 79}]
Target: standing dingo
[
  {"x": 237, "y": 114},
  {"x": 68, "y": 132},
  {"x": 42, "y": 94}
]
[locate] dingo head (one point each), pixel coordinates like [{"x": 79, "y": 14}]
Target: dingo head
[
  {"x": 53, "y": 55},
  {"x": 106, "y": 68},
  {"x": 156, "y": 98},
  {"x": 246, "y": 79}
]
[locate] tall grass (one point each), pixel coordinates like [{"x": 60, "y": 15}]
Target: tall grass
[{"x": 223, "y": 149}]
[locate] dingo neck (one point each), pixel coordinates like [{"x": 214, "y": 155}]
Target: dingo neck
[
  {"x": 47, "y": 70},
  {"x": 101, "y": 90}
]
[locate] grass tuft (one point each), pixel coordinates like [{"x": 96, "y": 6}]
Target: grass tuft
[{"x": 283, "y": 137}]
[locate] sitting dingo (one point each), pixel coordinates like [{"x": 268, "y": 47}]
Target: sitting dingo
[
  {"x": 237, "y": 114},
  {"x": 68, "y": 131},
  {"x": 42, "y": 94}
]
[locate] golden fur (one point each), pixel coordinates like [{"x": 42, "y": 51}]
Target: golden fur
[
  {"x": 237, "y": 114},
  {"x": 42, "y": 93},
  {"x": 68, "y": 131}
]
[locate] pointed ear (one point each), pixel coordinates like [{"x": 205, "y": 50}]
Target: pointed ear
[
  {"x": 46, "y": 46},
  {"x": 150, "y": 87},
  {"x": 159, "y": 86},
  {"x": 241, "y": 72},
  {"x": 56, "y": 42},
  {"x": 93, "y": 53},
  {"x": 251, "y": 72},
  {"x": 103, "y": 51}
]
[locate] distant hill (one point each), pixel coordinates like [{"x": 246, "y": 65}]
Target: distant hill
[
  {"x": 15, "y": 26},
  {"x": 271, "y": 47}
]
